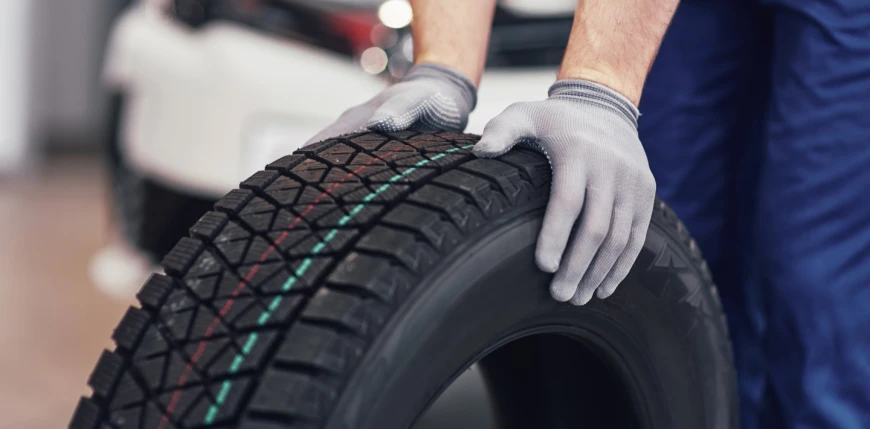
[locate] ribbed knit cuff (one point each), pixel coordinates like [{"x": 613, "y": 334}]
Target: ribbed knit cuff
[{"x": 587, "y": 92}]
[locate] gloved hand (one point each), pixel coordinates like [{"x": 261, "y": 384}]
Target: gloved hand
[
  {"x": 589, "y": 134},
  {"x": 431, "y": 96}
]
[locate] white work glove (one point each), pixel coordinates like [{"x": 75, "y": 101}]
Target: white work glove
[
  {"x": 430, "y": 97},
  {"x": 601, "y": 182}
]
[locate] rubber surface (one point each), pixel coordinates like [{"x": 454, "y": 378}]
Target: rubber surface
[{"x": 317, "y": 295}]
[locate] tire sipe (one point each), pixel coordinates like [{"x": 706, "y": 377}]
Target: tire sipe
[{"x": 346, "y": 285}]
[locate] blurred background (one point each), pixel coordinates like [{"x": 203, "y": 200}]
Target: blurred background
[{"x": 122, "y": 121}]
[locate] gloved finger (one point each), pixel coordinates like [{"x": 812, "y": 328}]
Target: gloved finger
[
  {"x": 567, "y": 192},
  {"x": 639, "y": 227},
  {"x": 503, "y": 132},
  {"x": 593, "y": 226},
  {"x": 352, "y": 120},
  {"x": 611, "y": 249},
  {"x": 398, "y": 113}
]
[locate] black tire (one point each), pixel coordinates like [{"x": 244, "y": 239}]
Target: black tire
[{"x": 346, "y": 285}]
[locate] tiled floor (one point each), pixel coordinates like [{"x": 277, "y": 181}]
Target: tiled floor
[{"x": 53, "y": 323}]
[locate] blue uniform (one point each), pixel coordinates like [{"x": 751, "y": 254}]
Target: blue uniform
[{"x": 756, "y": 122}]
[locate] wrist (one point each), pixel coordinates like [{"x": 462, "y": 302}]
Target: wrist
[{"x": 471, "y": 72}]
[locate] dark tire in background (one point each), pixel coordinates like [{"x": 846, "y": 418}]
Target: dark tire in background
[
  {"x": 348, "y": 284},
  {"x": 151, "y": 214}
]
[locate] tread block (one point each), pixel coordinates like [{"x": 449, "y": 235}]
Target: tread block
[
  {"x": 86, "y": 415},
  {"x": 287, "y": 240},
  {"x": 534, "y": 166},
  {"x": 246, "y": 313},
  {"x": 270, "y": 278},
  {"x": 207, "y": 288},
  {"x": 133, "y": 324},
  {"x": 286, "y": 220},
  {"x": 320, "y": 348},
  {"x": 252, "y": 358},
  {"x": 106, "y": 373},
  {"x": 182, "y": 256},
  {"x": 260, "y": 180},
  {"x": 336, "y": 158},
  {"x": 366, "y": 162},
  {"x": 424, "y": 140},
  {"x": 229, "y": 409},
  {"x": 127, "y": 392},
  {"x": 372, "y": 276},
  {"x": 450, "y": 202},
  {"x": 309, "y": 270},
  {"x": 233, "y": 251},
  {"x": 152, "y": 344},
  {"x": 479, "y": 190},
  {"x": 318, "y": 147},
  {"x": 294, "y": 395},
  {"x": 206, "y": 264},
  {"x": 396, "y": 146},
  {"x": 261, "y": 251},
  {"x": 369, "y": 141},
  {"x": 327, "y": 243},
  {"x": 286, "y": 163},
  {"x": 350, "y": 312},
  {"x": 360, "y": 215},
  {"x": 310, "y": 171},
  {"x": 314, "y": 195},
  {"x": 152, "y": 417},
  {"x": 401, "y": 175},
  {"x": 183, "y": 402},
  {"x": 505, "y": 176},
  {"x": 284, "y": 191},
  {"x": 340, "y": 175},
  {"x": 131, "y": 418},
  {"x": 257, "y": 205},
  {"x": 232, "y": 231},
  {"x": 402, "y": 245},
  {"x": 426, "y": 222},
  {"x": 234, "y": 201},
  {"x": 209, "y": 226},
  {"x": 167, "y": 371},
  {"x": 155, "y": 291},
  {"x": 390, "y": 194}
]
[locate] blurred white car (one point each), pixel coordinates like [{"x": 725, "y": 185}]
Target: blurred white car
[{"x": 209, "y": 91}]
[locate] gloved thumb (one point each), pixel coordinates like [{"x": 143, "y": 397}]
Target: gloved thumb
[
  {"x": 501, "y": 134},
  {"x": 396, "y": 114}
]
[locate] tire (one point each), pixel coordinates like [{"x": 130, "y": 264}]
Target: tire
[{"x": 347, "y": 284}]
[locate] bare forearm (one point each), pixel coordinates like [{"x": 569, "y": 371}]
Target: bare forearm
[
  {"x": 454, "y": 33},
  {"x": 614, "y": 42}
]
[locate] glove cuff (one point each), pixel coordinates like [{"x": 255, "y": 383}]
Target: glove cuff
[
  {"x": 464, "y": 86},
  {"x": 595, "y": 94}
]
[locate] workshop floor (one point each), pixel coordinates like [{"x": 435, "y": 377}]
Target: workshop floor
[{"x": 53, "y": 323}]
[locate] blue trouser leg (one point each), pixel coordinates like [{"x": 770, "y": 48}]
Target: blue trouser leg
[
  {"x": 813, "y": 219},
  {"x": 696, "y": 116}
]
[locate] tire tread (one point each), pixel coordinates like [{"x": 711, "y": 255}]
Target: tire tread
[{"x": 254, "y": 254}]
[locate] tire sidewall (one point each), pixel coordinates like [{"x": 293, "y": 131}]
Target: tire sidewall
[{"x": 663, "y": 321}]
